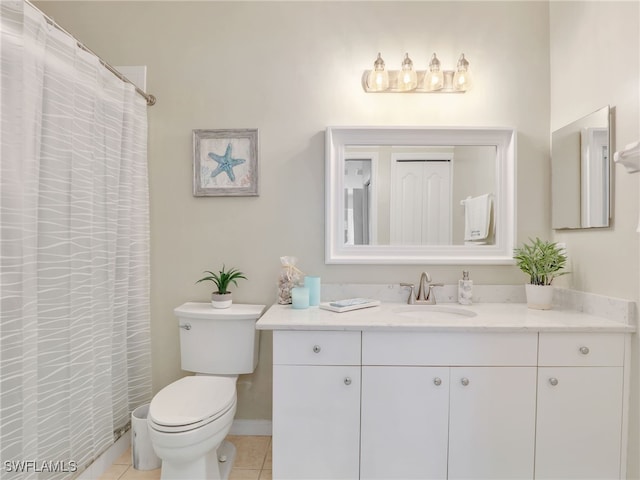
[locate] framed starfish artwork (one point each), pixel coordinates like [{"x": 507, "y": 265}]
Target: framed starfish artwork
[{"x": 225, "y": 163}]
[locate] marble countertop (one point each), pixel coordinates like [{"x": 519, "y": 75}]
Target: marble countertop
[{"x": 494, "y": 317}]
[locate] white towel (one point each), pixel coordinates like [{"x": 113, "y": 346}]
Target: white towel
[{"x": 477, "y": 216}]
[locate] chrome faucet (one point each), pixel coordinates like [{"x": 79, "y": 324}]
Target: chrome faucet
[{"x": 425, "y": 291}]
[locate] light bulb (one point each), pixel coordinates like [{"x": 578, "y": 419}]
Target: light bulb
[
  {"x": 378, "y": 80},
  {"x": 462, "y": 78},
  {"x": 408, "y": 79},
  {"x": 434, "y": 79}
]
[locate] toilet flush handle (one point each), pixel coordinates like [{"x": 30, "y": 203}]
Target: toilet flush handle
[{"x": 186, "y": 326}]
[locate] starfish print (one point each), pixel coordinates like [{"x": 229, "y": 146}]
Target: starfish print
[{"x": 226, "y": 163}]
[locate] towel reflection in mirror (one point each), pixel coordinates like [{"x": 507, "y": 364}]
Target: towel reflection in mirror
[{"x": 478, "y": 219}]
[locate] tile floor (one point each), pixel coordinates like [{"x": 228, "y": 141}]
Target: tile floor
[{"x": 253, "y": 462}]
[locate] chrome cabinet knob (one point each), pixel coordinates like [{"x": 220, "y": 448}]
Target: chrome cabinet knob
[
  {"x": 437, "y": 381},
  {"x": 347, "y": 381},
  {"x": 186, "y": 326},
  {"x": 316, "y": 349},
  {"x": 584, "y": 350},
  {"x": 553, "y": 381},
  {"x": 464, "y": 381}
]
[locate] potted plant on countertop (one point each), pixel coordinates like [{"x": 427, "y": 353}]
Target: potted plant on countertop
[
  {"x": 222, "y": 297},
  {"x": 542, "y": 261}
]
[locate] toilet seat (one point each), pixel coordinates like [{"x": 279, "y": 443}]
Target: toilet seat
[{"x": 191, "y": 403}]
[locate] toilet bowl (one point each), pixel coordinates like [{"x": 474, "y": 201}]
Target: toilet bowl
[{"x": 189, "y": 419}]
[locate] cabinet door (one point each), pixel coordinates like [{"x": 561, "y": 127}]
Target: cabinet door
[
  {"x": 405, "y": 414},
  {"x": 316, "y": 422},
  {"x": 579, "y": 422},
  {"x": 492, "y": 423}
]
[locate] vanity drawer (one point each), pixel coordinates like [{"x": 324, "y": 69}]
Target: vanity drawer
[
  {"x": 454, "y": 349},
  {"x": 581, "y": 349},
  {"x": 316, "y": 348}
]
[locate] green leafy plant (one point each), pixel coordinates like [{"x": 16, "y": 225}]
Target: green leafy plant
[
  {"x": 223, "y": 278},
  {"x": 541, "y": 260}
]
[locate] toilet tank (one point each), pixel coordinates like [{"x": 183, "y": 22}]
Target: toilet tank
[{"x": 221, "y": 341}]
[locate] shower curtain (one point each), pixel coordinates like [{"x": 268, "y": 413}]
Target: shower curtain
[{"x": 74, "y": 251}]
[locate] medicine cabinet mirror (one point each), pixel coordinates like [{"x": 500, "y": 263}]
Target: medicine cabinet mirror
[
  {"x": 417, "y": 195},
  {"x": 581, "y": 172}
]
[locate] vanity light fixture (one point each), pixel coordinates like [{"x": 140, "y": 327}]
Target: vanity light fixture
[
  {"x": 434, "y": 78},
  {"x": 408, "y": 77},
  {"x": 462, "y": 79},
  {"x": 408, "y": 80},
  {"x": 378, "y": 78}
]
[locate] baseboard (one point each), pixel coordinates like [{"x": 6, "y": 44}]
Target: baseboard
[
  {"x": 250, "y": 427},
  {"x": 104, "y": 461}
]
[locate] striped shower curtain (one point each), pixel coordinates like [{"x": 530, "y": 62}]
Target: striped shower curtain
[{"x": 74, "y": 251}]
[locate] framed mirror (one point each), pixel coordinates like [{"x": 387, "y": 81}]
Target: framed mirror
[
  {"x": 581, "y": 172},
  {"x": 413, "y": 195}
]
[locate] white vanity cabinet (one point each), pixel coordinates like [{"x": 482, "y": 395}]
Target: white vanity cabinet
[
  {"x": 580, "y": 401},
  {"x": 491, "y": 401},
  {"x": 316, "y": 405},
  {"x": 405, "y": 422},
  {"x": 443, "y": 405},
  {"x": 492, "y": 423}
]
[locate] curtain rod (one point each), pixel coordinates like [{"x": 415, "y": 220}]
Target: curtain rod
[{"x": 151, "y": 100}]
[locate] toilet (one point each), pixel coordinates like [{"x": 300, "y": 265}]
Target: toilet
[{"x": 189, "y": 419}]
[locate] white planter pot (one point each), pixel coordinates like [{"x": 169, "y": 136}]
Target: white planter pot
[
  {"x": 539, "y": 297},
  {"x": 221, "y": 300}
]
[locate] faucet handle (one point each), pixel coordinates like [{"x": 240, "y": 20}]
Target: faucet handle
[
  {"x": 431, "y": 299},
  {"x": 412, "y": 292}
]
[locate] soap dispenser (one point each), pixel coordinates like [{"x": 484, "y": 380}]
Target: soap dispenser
[{"x": 465, "y": 289}]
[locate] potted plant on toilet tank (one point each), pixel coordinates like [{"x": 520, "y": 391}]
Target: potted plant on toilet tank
[
  {"x": 222, "y": 297},
  {"x": 542, "y": 261}
]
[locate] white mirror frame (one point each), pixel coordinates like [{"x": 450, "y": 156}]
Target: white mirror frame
[{"x": 501, "y": 253}]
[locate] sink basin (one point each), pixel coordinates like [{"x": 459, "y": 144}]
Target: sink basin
[{"x": 434, "y": 312}]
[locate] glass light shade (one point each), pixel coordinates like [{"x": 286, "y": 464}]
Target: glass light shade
[
  {"x": 378, "y": 80},
  {"x": 408, "y": 78},
  {"x": 434, "y": 78},
  {"x": 462, "y": 78}
]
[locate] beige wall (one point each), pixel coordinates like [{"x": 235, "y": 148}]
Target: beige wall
[
  {"x": 291, "y": 69},
  {"x": 595, "y": 55}
]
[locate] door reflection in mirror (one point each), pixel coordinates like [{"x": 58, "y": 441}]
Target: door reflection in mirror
[
  {"x": 420, "y": 208},
  {"x": 358, "y": 185},
  {"x": 595, "y": 177}
]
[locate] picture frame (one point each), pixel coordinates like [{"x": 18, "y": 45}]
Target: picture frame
[{"x": 225, "y": 162}]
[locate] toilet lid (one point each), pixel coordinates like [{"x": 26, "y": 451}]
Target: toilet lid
[{"x": 191, "y": 400}]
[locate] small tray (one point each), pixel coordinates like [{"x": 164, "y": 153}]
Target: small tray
[{"x": 349, "y": 304}]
